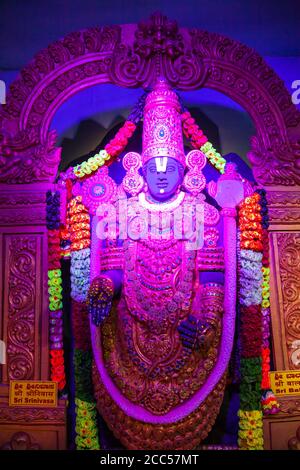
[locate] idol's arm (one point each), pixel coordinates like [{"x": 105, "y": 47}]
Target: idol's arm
[{"x": 106, "y": 275}]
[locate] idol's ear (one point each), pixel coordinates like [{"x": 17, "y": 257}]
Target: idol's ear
[
  {"x": 181, "y": 172},
  {"x": 132, "y": 182},
  {"x": 194, "y": 180},
  {"x": 212, "y": 188}
]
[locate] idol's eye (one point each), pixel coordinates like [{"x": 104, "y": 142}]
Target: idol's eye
[
  {"x": 152, "y": 168},
  {"x": 171, "y": 168}
]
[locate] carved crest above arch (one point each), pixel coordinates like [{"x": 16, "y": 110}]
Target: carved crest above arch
[{"x": 134, "y": 56}]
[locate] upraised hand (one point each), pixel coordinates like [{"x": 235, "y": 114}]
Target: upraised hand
[
  {"x": 196, "y": 334},
  {"x": 99, "y": 299},
  {"x": 188, "y": 331}
]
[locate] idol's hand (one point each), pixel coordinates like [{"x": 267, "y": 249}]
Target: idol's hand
[
  {"x": 196, "y": 334},
  {"x": 205, "y": 334},
  {"x": 188, "y": 331},
  {"x": 99, "y": 299}
]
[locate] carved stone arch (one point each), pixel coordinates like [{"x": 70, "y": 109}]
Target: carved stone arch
[{"x": 133, "y": 56}]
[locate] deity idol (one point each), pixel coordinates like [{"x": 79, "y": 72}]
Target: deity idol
[{"x": 162, "y": 296}]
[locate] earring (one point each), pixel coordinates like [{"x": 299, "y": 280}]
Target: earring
[
  {"x": 194, "y": 181},
  {"x": 132, "y": 182}
]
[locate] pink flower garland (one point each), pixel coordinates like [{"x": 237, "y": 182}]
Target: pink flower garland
[
  {"x": 120, "y": 141},
  {"x": 200, "y": 141}
]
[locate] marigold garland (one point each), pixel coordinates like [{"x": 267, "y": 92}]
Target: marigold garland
[
  {"x": 86, "y": 415},
  {"x": 55, "y": 290},
  {"x": 200, "y": 141},
  {"x": 116, "y": 146},
  {"x": 254, "y": 298},
  {"x": 250, "y": 435},
  {"x": 120, "y": 141},
  {"x": 91, "y": 165},
  {"x": 86, "y": 426},
  {"x": 65, "y": 243},
  {"x": 103, "y": 157},
  {"x": 268, "y": 401},
  {"x": 111, "y": 150},
  {"x": 80, "y": 239}
]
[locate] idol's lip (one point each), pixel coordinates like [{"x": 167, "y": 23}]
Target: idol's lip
[{"x": 162, "y": 185}]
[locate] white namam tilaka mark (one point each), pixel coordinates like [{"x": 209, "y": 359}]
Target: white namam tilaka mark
[{"x": 161, "y": 164}]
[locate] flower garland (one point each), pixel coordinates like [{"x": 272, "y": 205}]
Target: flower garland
[
  {"x": 269, "y": 402},
  {"x": 116, "y": 146},
  {"x": 250, "y": 434},
  {"x": 80, "y": 272},
  {"x": 112, "y": 150},
  {"x": 200, "y": 141},
  {"x": 109, "y": 154},
  {"x": 254, "y": 299},
  {"x": 78, "y": 221},
  {"x": 55, "y": 290},
  {"x": 91, "y": 165},
  {"x": 65, "y": 244},
  {"x": 250, "y": 430}
]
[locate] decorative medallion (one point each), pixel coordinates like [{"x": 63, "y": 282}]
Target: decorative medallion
[{"x": 98, "y": 189}]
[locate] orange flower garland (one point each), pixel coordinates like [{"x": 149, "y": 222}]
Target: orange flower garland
[
  {"x": 269, "y": 402},
  {"x": 55, "y": 291},
  {"x": 250, "y": 434},
  {"x": 86, "y": 426},
  {"x": 200, "y": 141}
]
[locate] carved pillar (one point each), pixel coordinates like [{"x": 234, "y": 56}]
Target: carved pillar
[
  {"x": 284, "y": 210},
  {"x": 24, "y": 306}
]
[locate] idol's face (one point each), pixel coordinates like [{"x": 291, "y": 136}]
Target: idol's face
[{"x": 163, "y": 176}]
